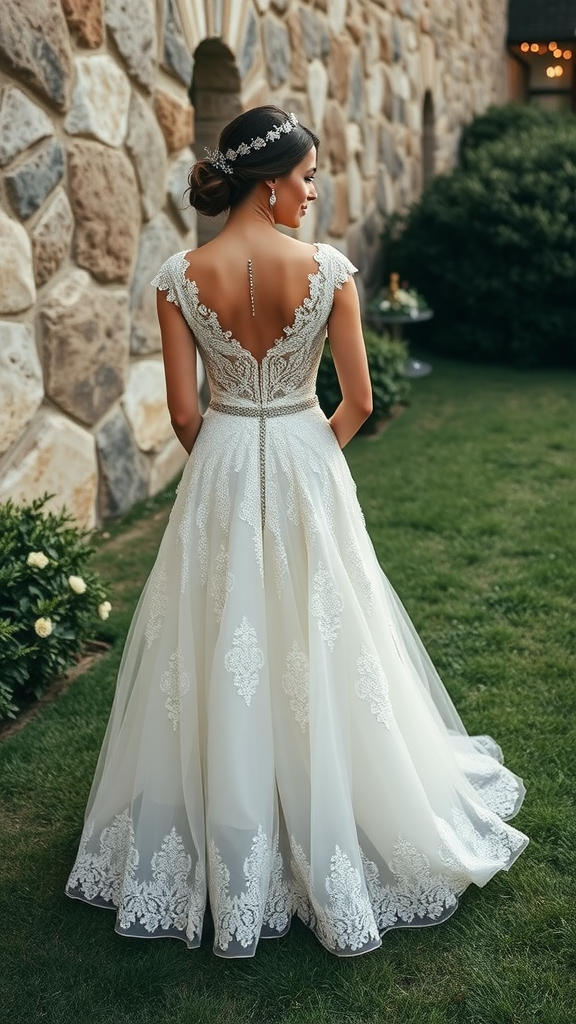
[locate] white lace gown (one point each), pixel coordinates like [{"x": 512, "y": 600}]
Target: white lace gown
[{"x": 280, "y": 743}]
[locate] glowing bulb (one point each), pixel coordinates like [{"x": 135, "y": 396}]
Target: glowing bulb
[
  {"x": 524, "y": 47},
  {"x": 557, "y": 52},
  {"x": 567, "y": 54},
  {"x": 534, "y": 47},
  {"x": 552, "y": 46},
  {"x": 550, "y": 72},
  {"x": 558, "y": 70}
]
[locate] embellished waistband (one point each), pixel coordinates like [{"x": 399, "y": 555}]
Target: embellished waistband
[{"x": 264, "y": 411}]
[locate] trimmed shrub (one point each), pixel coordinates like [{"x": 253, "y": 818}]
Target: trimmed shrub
[
  {"x": 386, "y": 362},
  {"x": 496, "y": 122},
  {"x": 493, "y": 247},
  {"x": 50, "y": 601}
]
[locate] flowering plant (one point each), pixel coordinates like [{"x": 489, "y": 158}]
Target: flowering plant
[{"x": 50, "y": 600}]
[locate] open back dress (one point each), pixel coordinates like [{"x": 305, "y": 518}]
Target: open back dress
[{"x": 280, "y": 743}]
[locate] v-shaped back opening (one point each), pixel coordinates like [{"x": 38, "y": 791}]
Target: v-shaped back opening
[{"x": 212, "y": 315}]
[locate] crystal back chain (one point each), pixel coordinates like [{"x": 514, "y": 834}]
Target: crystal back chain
[{"x": 251, "y": 284}]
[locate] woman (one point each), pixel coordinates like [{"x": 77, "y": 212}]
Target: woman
[{"x": 280, "y": 743}]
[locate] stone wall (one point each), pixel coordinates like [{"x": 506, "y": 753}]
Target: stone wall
[{"x": 95, "y": 132}]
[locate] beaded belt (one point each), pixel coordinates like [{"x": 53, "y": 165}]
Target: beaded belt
[{"x": 262, "y": 413}]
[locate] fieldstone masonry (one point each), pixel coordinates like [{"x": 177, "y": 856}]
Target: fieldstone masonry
[
  {"x": 85, "y": 346},
  {"x": 106, "y": 205},
  {"x": 22, "y": 123},
  {"x": 51, "y": 236},
  {"x": 96, "y": 130}
]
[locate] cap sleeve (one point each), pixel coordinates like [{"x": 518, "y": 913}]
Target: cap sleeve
[
  {"x": 165, "y": 279},
  {"x": 342, "y": 267}
]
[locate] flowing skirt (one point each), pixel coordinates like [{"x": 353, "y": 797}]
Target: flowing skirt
[{"x": 280, "y": 743}]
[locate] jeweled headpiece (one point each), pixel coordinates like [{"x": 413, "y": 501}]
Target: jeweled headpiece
[{"x": 224, "y": 161}]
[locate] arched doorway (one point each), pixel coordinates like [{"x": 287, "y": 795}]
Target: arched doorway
[
  {"x": 428, "y": 139},
  {"x": 215, "y": 96}
]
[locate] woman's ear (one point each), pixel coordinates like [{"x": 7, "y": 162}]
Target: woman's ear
[{"x": 270, "y": 182}]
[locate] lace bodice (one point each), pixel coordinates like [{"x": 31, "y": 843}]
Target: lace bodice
[{"x": 287, "y": 373}]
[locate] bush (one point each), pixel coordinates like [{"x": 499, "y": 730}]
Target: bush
[
  {"x": 496, "y": 122},
  {"x": 49, "y": 599},
  {"x": 493, "y": 247},
  {"x": 386, "y": 361}
]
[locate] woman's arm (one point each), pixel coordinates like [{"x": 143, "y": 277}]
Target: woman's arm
[
  {"x": 179, "y": 354},
  {"x": 349, "y": 353}
]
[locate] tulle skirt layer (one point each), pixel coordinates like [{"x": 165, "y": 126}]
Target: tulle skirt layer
[{"x": 280, "y": 743}]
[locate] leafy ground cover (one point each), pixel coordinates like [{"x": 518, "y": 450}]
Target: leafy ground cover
[{"x": 469, "y": 497}]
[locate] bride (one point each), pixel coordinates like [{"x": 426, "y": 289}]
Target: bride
[{"x": 280, "y": 743}]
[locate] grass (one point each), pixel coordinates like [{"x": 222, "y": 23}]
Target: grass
[{"x": 469, "y": 498}]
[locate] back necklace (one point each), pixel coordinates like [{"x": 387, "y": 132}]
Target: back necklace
[{"x": 251, "y": 284}]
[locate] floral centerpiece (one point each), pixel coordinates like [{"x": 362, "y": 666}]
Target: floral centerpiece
[{"x": 397, "y": 300}]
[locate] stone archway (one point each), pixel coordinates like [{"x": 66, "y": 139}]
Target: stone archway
[
  {"x": 428, "y": 139},
  {"x": 215, "y": 95}
]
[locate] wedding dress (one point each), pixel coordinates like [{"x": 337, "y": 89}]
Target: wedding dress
[{"x": 280, "y": 743}]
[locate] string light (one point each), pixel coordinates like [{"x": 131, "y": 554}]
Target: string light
[{"x": 554, "y": 70}]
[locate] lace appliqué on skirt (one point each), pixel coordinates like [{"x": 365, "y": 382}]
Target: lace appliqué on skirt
[
  {"x": 346, "y": 921},
  {"x": 158, "y": 605},
  {"x": 326, "y": 604},
  {"x": 168, "y": 900},
  {"x": 371, "y": 686},
  {"x": 175, "y": 683},
  {"x": 417, "y": 892},
  {"x": 497, "y": 787},
  {"x": 295, "y": 683},
  {"x": 470, "y": 850},
  {"x": 221, "y": 582},
  {"x": 244, "y": 660},
  {"x": 264, "y": 900}
]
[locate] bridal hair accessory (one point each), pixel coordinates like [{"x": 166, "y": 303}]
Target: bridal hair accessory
[{"x": 223, "y": 161}]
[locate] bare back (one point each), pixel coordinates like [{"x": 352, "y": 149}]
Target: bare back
[{"x": 280, "y": 282}]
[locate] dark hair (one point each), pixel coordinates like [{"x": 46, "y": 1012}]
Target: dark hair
[{"x": 212, "y": 190}]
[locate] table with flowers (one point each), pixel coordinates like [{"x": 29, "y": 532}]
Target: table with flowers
[{"x": 395, "y": 307}]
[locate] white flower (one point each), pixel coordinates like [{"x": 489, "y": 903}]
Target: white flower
[
  {"x": 384, "y": 305},
  {"x": 43, "y": 627},
  {"x": 104, "y": 609},
  {"x": 37, "y": 559},
  {"x": 77, "y": 584}
]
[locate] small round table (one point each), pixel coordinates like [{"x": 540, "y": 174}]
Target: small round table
[{"x": 380, "y": 319}]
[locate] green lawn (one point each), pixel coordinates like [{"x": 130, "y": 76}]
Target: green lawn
[{"x": 469, "y": 497}]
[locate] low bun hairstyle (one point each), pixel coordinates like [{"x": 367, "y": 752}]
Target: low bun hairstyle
[{"x": 211, "y": 190}]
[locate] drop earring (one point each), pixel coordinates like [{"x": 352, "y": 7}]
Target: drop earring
[{"x": 272, "y": 199}]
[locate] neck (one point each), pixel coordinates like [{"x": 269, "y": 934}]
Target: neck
[{"x": 255, "y": 211}]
